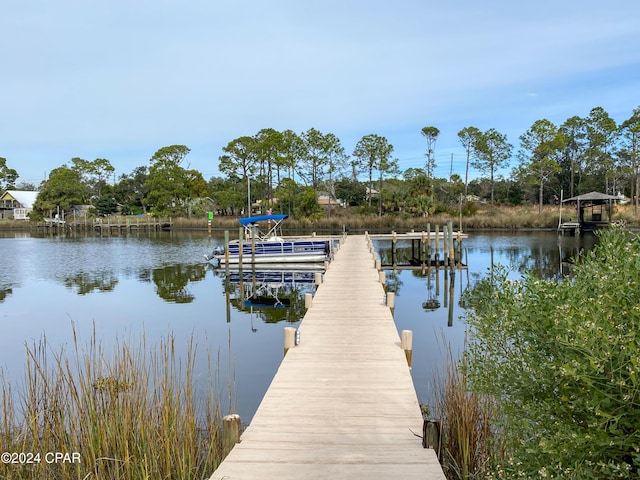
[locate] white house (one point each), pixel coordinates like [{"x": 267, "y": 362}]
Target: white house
[
  {"x": 326, "y": 199},
  {"x": 17, "y": 204}
]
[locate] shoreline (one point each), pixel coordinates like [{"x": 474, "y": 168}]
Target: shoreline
[{"x": 492, "y": 218}]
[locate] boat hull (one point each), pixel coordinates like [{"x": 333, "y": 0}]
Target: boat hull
[{"x": 308, "y": 251}]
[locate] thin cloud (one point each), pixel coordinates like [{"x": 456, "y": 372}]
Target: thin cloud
[{"x": 119, "y": 80}]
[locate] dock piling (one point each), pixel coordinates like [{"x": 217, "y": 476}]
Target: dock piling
[
  {"x": 406, "y": 343},
  {"x": 289, "y": 338},
  {"x": 231, "y": 427},
  {"x": 226, "y": 247},
  {"x": 431, "y": 434},
  {"x": 436, "y": 255},
  {"x": 391, "y": 300}
]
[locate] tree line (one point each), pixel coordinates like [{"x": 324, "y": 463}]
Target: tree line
[{"x": 288, "y": 172}]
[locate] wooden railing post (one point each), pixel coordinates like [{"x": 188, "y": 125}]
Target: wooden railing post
[
  {"x": 231, "y": 427},
  {"x": 406, "y": 344}
]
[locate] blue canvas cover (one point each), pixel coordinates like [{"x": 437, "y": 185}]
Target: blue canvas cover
[{"x": 262, "y": 218}]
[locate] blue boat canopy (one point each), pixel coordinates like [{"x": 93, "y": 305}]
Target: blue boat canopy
[{"x": 246, "y": 221}]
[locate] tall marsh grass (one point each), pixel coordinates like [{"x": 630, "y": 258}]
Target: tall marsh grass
[
  {"x": 132, "y": 413},
  {"x": 502, "y": 217},
  {"x": 475, "y": 218},
  {"x": 465, "y": 419}
]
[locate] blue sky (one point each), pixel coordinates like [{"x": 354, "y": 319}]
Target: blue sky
[{"x": 119, "y": 79}]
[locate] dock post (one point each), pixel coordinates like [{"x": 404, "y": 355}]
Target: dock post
[
  {"x": 308, "y": 300},
  {"x": 431, "y": 434},
  {"x": 452, "y": 276},
  {"x": 429, "y": 244},
  {"x": 423, "y": 249},
  {"x": 436, "y": 255},
  {"x": 394, "y": 250},
  {"x": 391, "y": 300},
  {"x": 231, "y": 426},
  {"x": 240, "y": 245},
  {"x": 452, "y": 252},
  {"x": 406, "y": 344},
  {"x": 445, "y": 246},
  {"x": 318, "y": 278},
  {"x": 382, "y": 277},
  {"x": 226, "y": 247},
  {"x": 289, "y": 338},
  {"x": 446, "y": 285}
]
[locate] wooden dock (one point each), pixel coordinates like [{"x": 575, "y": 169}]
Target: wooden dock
[
  {"x": 425, "y": 248},
  {"x": 112, "y": 223},
  {"x": 342, "y": 404}
]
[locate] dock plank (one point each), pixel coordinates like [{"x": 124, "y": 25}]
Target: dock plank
[{"x": 342, "y": 403}]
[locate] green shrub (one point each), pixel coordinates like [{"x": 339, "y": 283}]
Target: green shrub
[
  {"x": 469, "y": 209},
  {"x": 562, "y": 360}
]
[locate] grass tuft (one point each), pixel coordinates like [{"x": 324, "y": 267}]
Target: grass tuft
[
  {"x": 465, "y": 419},
  {"x": 133, "y": 414}
]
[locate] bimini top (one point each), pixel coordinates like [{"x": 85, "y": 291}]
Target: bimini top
[{"x": 246, "y": 221}]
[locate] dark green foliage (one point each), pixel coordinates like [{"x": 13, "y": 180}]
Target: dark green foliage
[
  {"x": 8, "y": 176},
  {"x": 352, "y": 192},
  {"x": 63, "y": 189},
  {"x": 169, "y": 185},
  {"x": 562, "y": 360},
  {"x": 306, "y": 204},
  {"x": 581, "y": 155},
  {"x": 131, "y": 190},
  {"x": 106, "y": 205}
]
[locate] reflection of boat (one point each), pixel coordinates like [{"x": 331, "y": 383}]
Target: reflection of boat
[
  {"x": 270, "y": 247},
  {"x": 431, "y": 304},
  {"x": 269, "y": 288}
]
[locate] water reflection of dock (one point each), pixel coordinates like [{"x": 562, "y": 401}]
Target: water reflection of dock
[{"x": 273, "y": 292}]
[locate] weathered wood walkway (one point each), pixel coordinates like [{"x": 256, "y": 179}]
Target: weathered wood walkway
[
  {"x": 108, "y": 224},
  {"x": 342, "y": 404}
]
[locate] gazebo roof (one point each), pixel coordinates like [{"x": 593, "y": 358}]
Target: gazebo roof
[{"x": 596, "y": 197}]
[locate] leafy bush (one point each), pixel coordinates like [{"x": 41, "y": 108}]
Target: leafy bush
[
  {"x": 469, "y": 208},
  {"x": 562, "y": 360},
  {"x": 307, "y": 205}
]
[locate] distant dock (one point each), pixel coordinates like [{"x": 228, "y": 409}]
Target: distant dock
[
  {"x": 109, "y": 224},
  {"x": 440, "y": 247},
  {"x": 593, "y": 211}
]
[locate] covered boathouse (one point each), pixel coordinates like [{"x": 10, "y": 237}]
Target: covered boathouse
[{"x": 593, "y": 210}]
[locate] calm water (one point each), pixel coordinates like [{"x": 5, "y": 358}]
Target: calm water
[{"x": 158, "y": 284}]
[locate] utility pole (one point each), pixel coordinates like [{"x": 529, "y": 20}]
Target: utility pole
[{"x": 451, "y": 168}]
